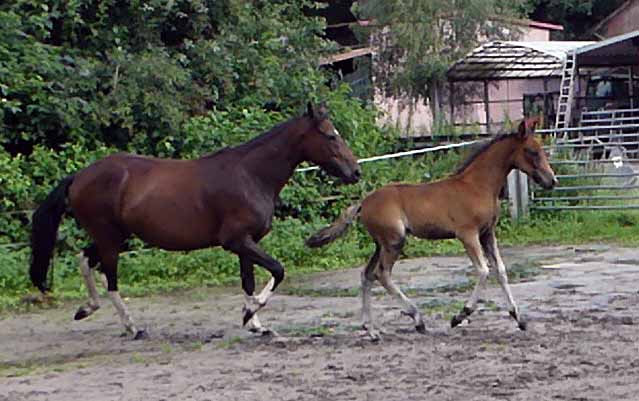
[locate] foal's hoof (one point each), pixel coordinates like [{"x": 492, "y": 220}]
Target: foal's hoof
[
  {"x": 141, "y": 335},
  {"x": 522, "y": 324},
  {"x": 421, "y": 328},
  {"x": 82, "y": 313}
]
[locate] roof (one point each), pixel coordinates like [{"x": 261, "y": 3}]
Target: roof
[
  {"x": 512, "y": 60},
  {"x": 617, "y": 51}
]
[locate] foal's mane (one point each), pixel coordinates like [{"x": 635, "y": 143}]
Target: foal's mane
[{"x": 482, "y": 149}]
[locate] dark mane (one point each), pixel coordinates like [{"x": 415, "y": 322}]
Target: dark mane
[
  {"x": 481, "y": 149},
  {"x": 258, "y": 140}
]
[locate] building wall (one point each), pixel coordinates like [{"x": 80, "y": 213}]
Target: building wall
[
  {"x": 627, "y": 20},
  {"x": 418, "y": 119},
  {"x": 531, "y": 34}
]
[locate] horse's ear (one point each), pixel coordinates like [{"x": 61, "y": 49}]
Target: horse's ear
[
  {"x": 309, "y": 110},
  {"x": 322, "y": 111}
]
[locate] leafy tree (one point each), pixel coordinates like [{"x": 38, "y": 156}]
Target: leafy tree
[
  {"x": 578, "y": 17},
  {"x": 418, "y": 40},
  {"x": 131, "y": 73}
]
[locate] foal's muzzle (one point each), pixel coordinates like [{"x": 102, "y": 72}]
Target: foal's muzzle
[{"x": 546, "y": 181}]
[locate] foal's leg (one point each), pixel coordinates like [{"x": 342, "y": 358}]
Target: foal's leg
[
  {"x": 368, "y": 279},
  {"x": 388, "y": 258},
  {"x": 474, "y": 250},
  {"x": 88, "y": 259},
  {"x": 251, "y": 253},
  {"x": 489, "y": 243}
]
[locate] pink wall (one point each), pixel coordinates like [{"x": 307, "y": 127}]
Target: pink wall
[
  {"x": 623, "y": 22},
  {"x": 419, "y": 120}
]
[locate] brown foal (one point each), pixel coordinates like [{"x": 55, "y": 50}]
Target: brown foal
[
  {"x": 223, "y": 199},
  {"x": 464, "y": 206}
]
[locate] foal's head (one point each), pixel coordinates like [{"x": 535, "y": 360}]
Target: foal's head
[
  {"x": 323, "y": 146},
  {"x": 529, "y": 155}
]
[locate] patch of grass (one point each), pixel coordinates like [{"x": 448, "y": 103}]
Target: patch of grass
[
  {"x": 229, "y": 342},
  {"x": 153, "y": 271},
  {"x": 442, "y": 308},
  {"x": 194, "y": 346},
  {"x": 305, "y": 331},
  {"x": 137, "y": 358},
  {"x": 320, "y": 292}
]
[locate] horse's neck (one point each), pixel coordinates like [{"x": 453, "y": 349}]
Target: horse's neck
[
  {"x": 490, "y": 170},
  {"x": 274, "y": 161}
]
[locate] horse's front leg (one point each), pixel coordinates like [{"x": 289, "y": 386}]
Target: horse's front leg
[
  {"x": 250, "y": 253},
  {"x": 489, "y": 243},
  {"x": 252, "y": 301}
]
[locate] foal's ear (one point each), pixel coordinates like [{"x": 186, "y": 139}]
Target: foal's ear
[{"x": 526, "y": 127}]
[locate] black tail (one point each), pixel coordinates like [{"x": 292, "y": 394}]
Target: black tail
[{"x": 44, "y": 232}]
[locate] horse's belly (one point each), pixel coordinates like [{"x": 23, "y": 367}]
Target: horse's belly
[{"x": 175, "y": 231}]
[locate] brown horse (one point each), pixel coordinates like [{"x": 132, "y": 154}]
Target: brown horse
[
  {"x": 223, "y": 199},
  {"x": 464, "y": 206}
]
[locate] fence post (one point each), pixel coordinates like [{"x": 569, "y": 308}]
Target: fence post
[{"x": 518, "y": 194}]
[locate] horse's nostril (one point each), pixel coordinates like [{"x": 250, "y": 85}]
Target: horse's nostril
[{"x": 357, "y": 173}]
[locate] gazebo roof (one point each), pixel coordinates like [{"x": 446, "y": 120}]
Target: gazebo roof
[{"x": 513, "y": 60}]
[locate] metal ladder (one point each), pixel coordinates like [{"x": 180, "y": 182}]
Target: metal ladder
[{"x": 566, "y": 91}]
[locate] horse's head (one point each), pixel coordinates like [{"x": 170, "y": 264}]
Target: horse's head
[
  {"x": 529, "y": 155},
  {"x": 323, "y": 146}
]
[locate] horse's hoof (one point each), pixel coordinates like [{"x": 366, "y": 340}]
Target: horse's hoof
[
  {"x": 141, "y": 335},
  {"x": 248, "y": 314},
  {"x": 522, "y": 326},
  {"x": 456, "y": 321},
  {"x": 269, "y": 333},
  {"x": 421, "y": 328},
  {"x": 82, "y": 313}
]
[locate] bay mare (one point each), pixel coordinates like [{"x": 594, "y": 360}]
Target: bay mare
[
  {"x": 223, "y": 199},
  {"x": 464, "y": 206}
]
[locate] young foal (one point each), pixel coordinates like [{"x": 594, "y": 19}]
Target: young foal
[
  {"x": 464, "y": 206},
  {"x": 224, "y": 199}
]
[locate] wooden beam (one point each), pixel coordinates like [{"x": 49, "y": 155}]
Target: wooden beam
[{"x": 487, "y": 106}]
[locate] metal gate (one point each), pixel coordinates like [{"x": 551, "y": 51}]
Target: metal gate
[{"x": 597, "y": 164}]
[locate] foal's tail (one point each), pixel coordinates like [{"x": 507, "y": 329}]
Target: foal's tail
[
  {"x": 44, "y": 232},
  {"x": 330, "y": 233}
]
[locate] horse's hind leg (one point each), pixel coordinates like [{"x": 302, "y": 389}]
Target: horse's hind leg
[
  {"x": 109, "y": 239},
  {"x": 88, "y": 260},
  {"x": 368, "y": 279},
  {"x": 388, "y": 258},
  {"x": 489, "y": 243},
  {"x": 474, "y": 250}
]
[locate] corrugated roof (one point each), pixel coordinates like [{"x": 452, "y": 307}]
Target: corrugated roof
[
  {"x": 510, "y": 60},
  {"x": 616, "y": 51}
]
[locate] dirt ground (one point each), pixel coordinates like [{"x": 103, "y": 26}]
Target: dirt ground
[{"x": 582, "y": 341}]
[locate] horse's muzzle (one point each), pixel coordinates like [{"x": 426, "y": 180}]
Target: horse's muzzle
[{"x": 354, "y": 176}]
